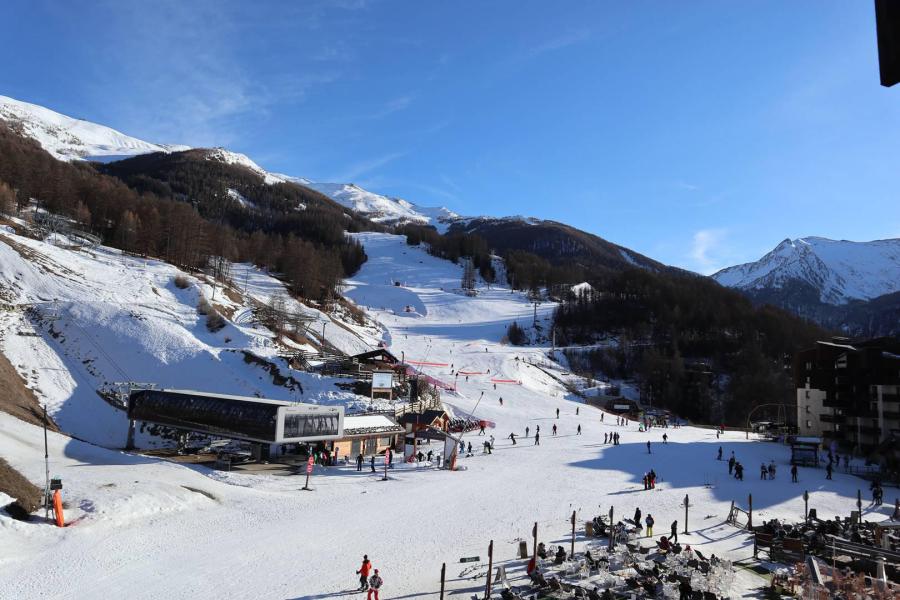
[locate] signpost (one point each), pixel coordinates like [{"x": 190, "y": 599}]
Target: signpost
[
  {"x": 806, "y": 506},
  {"x": 487, "y": 590},
  {"x": 686, "y": 504},
  {"x": 572, "y": 553},
  {"x": 443, "y": 576},
  {"x": 750, "y": 511},
  {"x": 309, "y": 470}
]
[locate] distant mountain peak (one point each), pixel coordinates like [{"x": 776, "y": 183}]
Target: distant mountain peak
[{"x": 839, "y": 270}]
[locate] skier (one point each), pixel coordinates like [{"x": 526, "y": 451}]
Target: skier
[
  {"x": 554, "y": 429},
  {"x": 537, "y": 439},
  {"x": 731, "y": 462},
  {"x": 430, "y": 456},
  {"x": 512, "y": 436},
  {"x": 501, "y": 400},
  {"x": 649, "y": 521},
  {"x": 604, "y": 437},
  {"x": 372, "y": 463},
  {"x": 648, "y": 447},
  {"x": 470, "y": 449},
  {"x": 557, "y": 413},
  {"x": 719, "y": 457},
  {"x": 763, "y": 471},
  {"x": 577, "y": 408},
  {"x": 482, "y": 428},
  {"x": 665, "y": 438},
  {"x": 363, "y": 572},
  {"x": 652, "y": 479},
  {"x": 375, "y": 583},
  {"x": 601, "y": 417},
  {"x": 771, "y": 469},
  {"x": 828, "y": 471},
  {"x": 794, "y": 473},
  {"x": 579, "y": 429},
  {"x": 616, "y": 436},
  {"x": 359, "y": 460},
  {"x": 526, "y": 431},
  {"x": 739, "y": 471},
  {"x": 674, "y": 530}
]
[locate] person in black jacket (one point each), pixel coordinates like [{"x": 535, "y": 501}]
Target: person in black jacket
[
  {"x": 359, "y": 460},
  {"x": 674, "y": 530}
]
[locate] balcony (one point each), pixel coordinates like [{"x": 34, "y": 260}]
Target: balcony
[{"x": 826, "y": 418}]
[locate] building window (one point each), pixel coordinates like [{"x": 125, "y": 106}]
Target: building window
[
  {"x": 807, "y": 397},
  {"x": 809, "y": 424},
  {"x": 807, "y": 409}
]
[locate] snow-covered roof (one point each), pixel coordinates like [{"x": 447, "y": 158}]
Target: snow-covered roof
[{"x": 369, "y": 424}]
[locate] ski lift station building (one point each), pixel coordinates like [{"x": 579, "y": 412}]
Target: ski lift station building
[{"x": 258, "y": 420}]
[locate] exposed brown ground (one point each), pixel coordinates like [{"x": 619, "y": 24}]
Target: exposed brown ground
[{"x": 18, "y": 400}]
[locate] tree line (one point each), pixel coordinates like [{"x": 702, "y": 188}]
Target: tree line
[{"x": 695, "y": 347}]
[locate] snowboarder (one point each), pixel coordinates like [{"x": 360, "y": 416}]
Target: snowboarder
[
  {"x": 359, "y": 460},
  {"x": 674, "y": 530},
  {"x": 512, "y": 436},
  {"x": 648, "y": 447},
  {"x": 375, "y": 583},
  {"x": 554, "y": 429},
  {"x": 794, "y": 473},
  {"x": 579, "y": 429},
  {"x": 665, "y": 438},
  {"x": 719, "y": 457},
  {"x": 828, "y": 471},
  {"x": 363, "y": 572},
  {"x": 372, "y": 463},
  {"x": 537, "y": 439},
  {"x": 649, "y": 521}
]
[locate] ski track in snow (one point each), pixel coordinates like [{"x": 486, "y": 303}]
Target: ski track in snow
[{"x": 140, "y": 532}]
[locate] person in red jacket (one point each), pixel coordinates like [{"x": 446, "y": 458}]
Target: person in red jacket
[{"x": 364, "y": 572}]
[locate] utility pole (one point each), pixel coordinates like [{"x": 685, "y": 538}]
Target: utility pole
[
  {"x": 534, "y": 324},
  {"x": 443, "y": 576},
  {"x": 686, "y": 504}
]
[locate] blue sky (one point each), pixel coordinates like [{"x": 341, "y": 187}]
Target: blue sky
[{"x": 700, "y": 134}]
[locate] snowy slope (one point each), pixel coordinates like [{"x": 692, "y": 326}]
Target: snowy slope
[
  {"x": 67, "y": 138},
  {"x": 79, "y": 320},
  {"x": 146, "y": 528},
  {"x": 839, "y": 269}
]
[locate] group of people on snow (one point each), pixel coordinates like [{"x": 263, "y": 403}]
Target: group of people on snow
[{"x": 369, "y": 583}]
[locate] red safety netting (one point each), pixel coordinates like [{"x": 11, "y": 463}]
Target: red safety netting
[{"x": 515, "y": 381}]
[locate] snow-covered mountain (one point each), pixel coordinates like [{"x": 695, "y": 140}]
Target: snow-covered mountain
[
  {"x": 839, "y": 270},
  {"x": 384, "y": 209},
  {"x": 69, "y": 139}
]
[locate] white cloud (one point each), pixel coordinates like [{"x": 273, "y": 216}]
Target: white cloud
[
  {"x": 706, "y": 252},
  {"x": 360, "y": 168}
]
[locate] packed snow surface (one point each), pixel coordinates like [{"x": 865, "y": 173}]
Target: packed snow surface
[
  {"x": 146, "y": 528},
  {"x": 841, "y": 270},
  {"x": 67, "y": 138}
]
